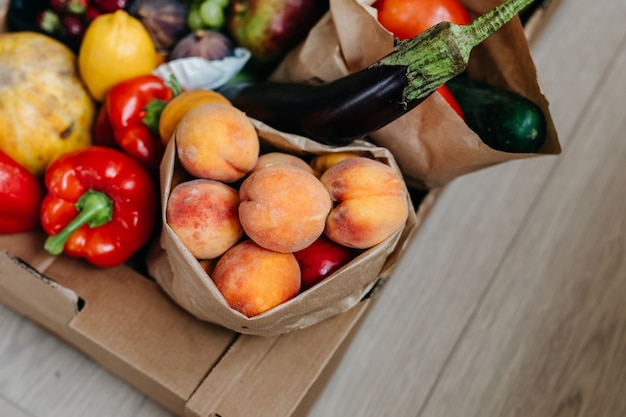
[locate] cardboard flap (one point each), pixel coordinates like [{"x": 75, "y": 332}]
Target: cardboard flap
[
  {"x": 44, "y": 295},
  {"x": 130, "y": 326},
  {"x": 247, "y": 378}
]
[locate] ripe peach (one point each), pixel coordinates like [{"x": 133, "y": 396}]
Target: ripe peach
[
  {"x": 208, "y": 265},
  {"x": 218, "y": 142},
  {"x": 283, "y": 208},
  {"x": 174, "y": 111},
  {"x": 253, "y": 279},
  {"x": 276, "y": 158},
  {"x": 203, "y": 214},
  {"x": 371, "y": 202},
  {"x": 322, "y": 162}
]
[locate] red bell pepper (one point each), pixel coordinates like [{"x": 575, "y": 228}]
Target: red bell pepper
[
  {"x": 101, "y": 205},
  {"x": 21, "y": 193},
  {"x": 102, "y": 132},
  {"x": 445, "y": 92},
  {"x": 133, "y": 108}
]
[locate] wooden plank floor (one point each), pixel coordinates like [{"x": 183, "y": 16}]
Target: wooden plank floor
[{"x": 511, "y": 303}]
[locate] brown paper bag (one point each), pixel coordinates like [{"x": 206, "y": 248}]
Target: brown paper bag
[
  {"x": 432, "y": 144},
  {"x": 184, "y": 280}
]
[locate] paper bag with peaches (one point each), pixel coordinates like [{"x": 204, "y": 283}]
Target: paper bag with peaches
[
  {"x": 265, "y": 232},
  {"x": 432, "y": 144}
]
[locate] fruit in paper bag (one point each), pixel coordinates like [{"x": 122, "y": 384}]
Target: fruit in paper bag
[
  {"x": 116, "y": 47},
  {"x": 271, "y": 28},
  {"x": 280, "y": 158},
  {"x": 203, "y": 214},
  {"x": 283, "y": 208},
  {"x": 253, "y": 279},
  {"x": 320, "y": 163},
  {"x": 44, "y": 108},
  {"x": 218, "y": 142},
  {"x": 180, "y": 105},
  {"x": 370, "y": 202},
  {"x": 320, "y": 259}
]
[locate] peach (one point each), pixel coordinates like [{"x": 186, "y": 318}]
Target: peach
[
  {"x": 253, "y": 279},
  {"x": 283, "y": 208},
  {"x": 370, "y": 202},
  {"x": 174, "y": 111},
  {"x": 203, "y": 214},
  {"x": 320, "y": 163},
  {"x": 217, "y": 141},
  {"x": 278, "y": 158},
  {"x": 208, "y": 265}
]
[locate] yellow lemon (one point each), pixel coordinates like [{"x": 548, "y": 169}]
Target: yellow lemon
[{"x": 116, "y": 47}]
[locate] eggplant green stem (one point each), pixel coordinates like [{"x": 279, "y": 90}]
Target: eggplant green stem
[
  {"x": 483, "y": 26},
  {"x": 442, "y": 52},
  {"x": 94, "y": 208}
]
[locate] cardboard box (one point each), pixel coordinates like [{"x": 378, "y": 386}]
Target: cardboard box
[{"x": 124, "y": 322}]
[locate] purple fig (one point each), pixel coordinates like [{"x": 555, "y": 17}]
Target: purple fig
[
  {"x": 165, "y": 20},
  {"x": 203, "y": 43}
]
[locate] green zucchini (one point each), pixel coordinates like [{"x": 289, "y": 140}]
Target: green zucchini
[{"x": 504, "y": 120}]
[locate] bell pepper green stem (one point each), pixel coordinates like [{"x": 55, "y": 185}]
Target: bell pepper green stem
[
  {"x": 153, "y": 112},
  {"x": 94, "y": 208},
  {"x": 174, "y": 85},
  {"x": 155, "y": 107}
]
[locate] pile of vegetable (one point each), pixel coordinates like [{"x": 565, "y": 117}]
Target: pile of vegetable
[
  {"x": 435, "y": 52},
  {"x": 269, "y": 29},
  {"x": 104, "y": 165}
]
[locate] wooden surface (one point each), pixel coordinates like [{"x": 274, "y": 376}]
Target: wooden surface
[{"x": 512, "y": 302}]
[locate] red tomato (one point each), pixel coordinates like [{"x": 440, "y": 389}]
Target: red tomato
[{"x": 408, "y": 18}]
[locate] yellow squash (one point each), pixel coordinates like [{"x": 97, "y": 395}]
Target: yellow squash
[{"x": 45, "y": 109}]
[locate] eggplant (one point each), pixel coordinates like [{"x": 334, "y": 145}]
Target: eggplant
[
  {"x": 351, "y": 107},
  {"x": 330, "y": 113}
]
